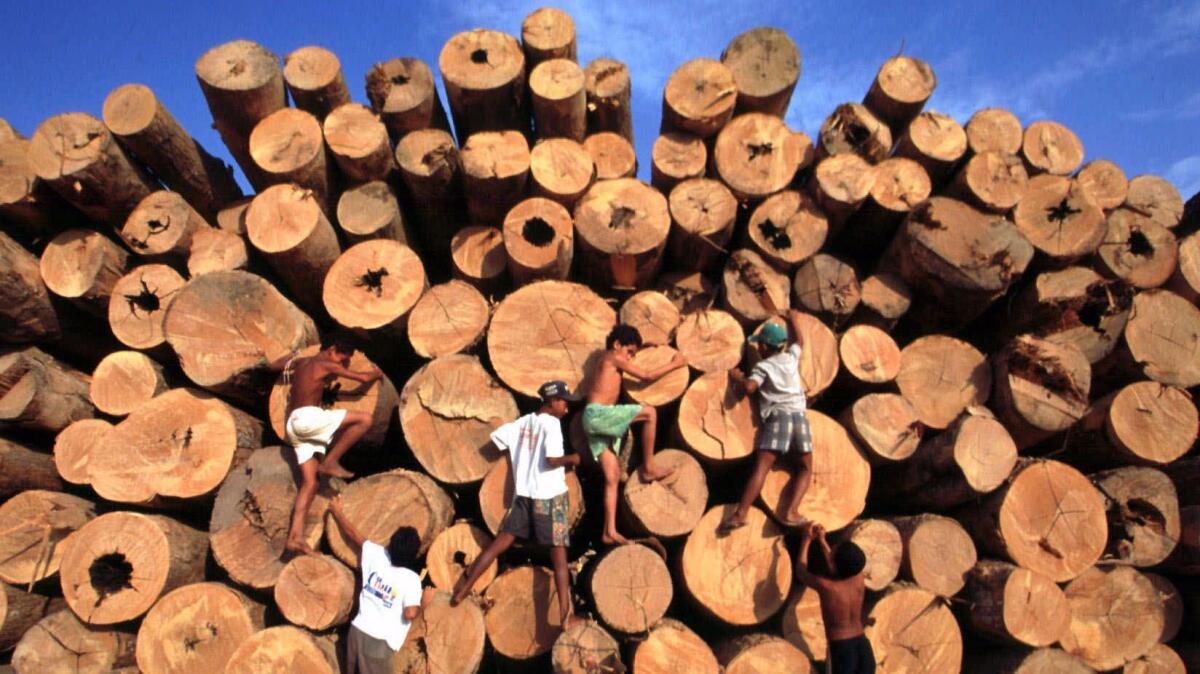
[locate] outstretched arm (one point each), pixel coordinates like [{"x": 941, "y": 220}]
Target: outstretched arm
[
  {"x": 826, "y": 551},
  {"x": 794, "y": 317},
  {"x": 802, "y": 573},
  {"x": 627, "y": 365},
  {"x": 335, "y": 509},
  {"x": 367, "y": 377},
  {"x": 566, "y": 461}
]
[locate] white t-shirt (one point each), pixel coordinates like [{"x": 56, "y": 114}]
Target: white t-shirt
[
  {"x": 529, "y": 441},
  {"x": 779, "y": 385},
  {"x": 386, "y": 591}
]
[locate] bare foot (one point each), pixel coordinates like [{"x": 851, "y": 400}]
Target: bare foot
[
  {"x": 297, "y": 546},
  {"x": 571, "y": 621},
  {"x": 795, "y": 519},
  {"x": 613, "y": 538},
  {"x": 336, "y": 470},
  {"x": 650, "y": 472}
]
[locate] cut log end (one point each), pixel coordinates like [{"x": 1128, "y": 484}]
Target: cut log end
[
  {"x": 766, "y": 65},
  {"x": 699, "y": 97}
]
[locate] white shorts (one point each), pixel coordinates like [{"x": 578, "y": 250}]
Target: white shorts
[{"x": 309, "y": 429}]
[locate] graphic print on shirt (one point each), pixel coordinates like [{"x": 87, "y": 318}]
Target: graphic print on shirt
[{"x": 380, "y": 589}]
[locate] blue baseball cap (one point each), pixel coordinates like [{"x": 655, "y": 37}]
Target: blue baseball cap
[
  {"x": 772, "y": 334},
  {"x": 556, "y": 389}
]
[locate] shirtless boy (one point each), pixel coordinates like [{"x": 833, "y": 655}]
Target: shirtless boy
[
  {"x": 310, "y": 428},
  {"x": 839, "y": 585},
  {"x": 605, "y": 422}
]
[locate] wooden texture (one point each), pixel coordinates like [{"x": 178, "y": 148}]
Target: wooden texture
[
  {"x": 287, "y": 146},
  {"x": 938, "y": 553},
  {"x": 662, "y": 391},
  {"x": 124, "y": 380},
  {"x": 283, "y": 650},
  {"x": 453, "y": 551},
  {"x": 1104, "y": 182},
  {"x": 787, "y": 229},
  {"x": 699, "y": 97},
  {"x": 83, "y": 266},
  {"x": 1143, "y": 423},
  {"x": 1116, "y": 617},
  {"x": 585, "y": 647},
  {"x": 24, "y": 468},
  {"x": 373, "y": 286},
  {"x": 371, "y": 211},
  {"x": 703, "y": 214},
  {"x": 711, "y": 340},
  {"x": 314, "y": 79},
  {"x": 766, "y": 65},
  {"x": 519, "y": 624},
  {"x": 25, "y": 302},
  {"x": 444, "y": 638},
  {"x": 900, "y": 90},
  {"x": 539, "y": 241},
  {"x": 1074, "y": 306},
  {"x": 484, "y": 74},
  {"x": 162, "y": 226},
  {"x": 1041, "y": 388},
  {"x": 315, "y": 592},
  {"x": 1156, "y": 198},
  {"x": 746, "y": 280},
  {"x": 613, "y": 155},
  {"x": 562, "y": 170},
  {"x": 714, "y": 422},
  {"x": 217, "y": 250},
  {"x": 381, "y": 503},
  {"x": 1163, "y": 336},
  {"x": 853, "y": 129},
  {"x": 547, "y": 33},
  {"x": 404, "y": 95},
  {"x": 881, "y": 543},
  {"x": 667, "y": 508},
  {"x": 608, "y": 88},
  {"x": 936, "y": 142},
  {"x": 741, "y": 578},
  {"x": 286, "y": 224},
  {"x": 941, "y": 376},
  {"x": 885, "y": 425},
  {"x": 477, "y": 254},
  {"x": 40, "y": 393},
  {"x": 756, "y": 155},
  {"x": 1143, "y": 514},
  {"x": 869, "y": 354},
  {"x": 61, "y": 643},
  {"x": 996, "y": 181},
  {"x": 671, "y": 647},
  {"x": 884, "y": 300},
  {"x": 73, "y": 448},
  {"x": 495, "y": 174},
  {"x": 36, "y": 523},
  {"x": 137, "y": 309},
  {"x": 431, "y": 169},
  {"x": 1059, "y": 218},
  {"x": 496, "y": 496},
  {"x": 654, "y": 316},
  {"x": 448, "y": 318},
  {"x": 1013, "y": 604},
  {"x": 840, "y": 184},
  {"x": 819, "y": 361},
  {"x": 911, "y": 630},
  {"x": 556, "y": 88},
  {"x": 675, "y": 157},
  {"x": 1050, "y": 147},
  {"x": 632, "y": 588},
  {"x": 196, "y": 628},
  {"x": 827, "y": 286},
  {"x": 359, "y": 143},
  {"x": 994, "y": 130},
  {"x": 1137, "y": 249}
]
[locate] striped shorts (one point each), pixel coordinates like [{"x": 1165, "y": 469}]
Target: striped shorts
[{"x": 784, "y": 430}]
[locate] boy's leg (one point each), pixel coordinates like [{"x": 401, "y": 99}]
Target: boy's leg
[
  {"x": 612, "y": 479},
  {"x": 764, "y": 459},
  {"x": 648, "y": 418},
  {"x": 466, "y": 581},
  {"x": 304, "y": 497},
  {"x": 796, "y": 488},
  {"x": 562, "y": 583},
  {"x": 354, "y": 426}
]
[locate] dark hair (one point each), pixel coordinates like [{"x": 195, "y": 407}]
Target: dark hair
[
  {"x": 625, "y": 334},
  {"x": 847, "y": 556},
  {"x": 340, "y": 340},
  {"x": 403, "y": 546}
]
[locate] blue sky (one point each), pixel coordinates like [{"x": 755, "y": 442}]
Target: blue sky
[{"x": 1124, "y": 75}]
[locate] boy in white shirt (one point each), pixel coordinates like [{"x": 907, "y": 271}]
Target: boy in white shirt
[
  {"x": 391, "y": 596},
  {"x": 785, "y": 429},
  {"x": 539, "y": 508}
]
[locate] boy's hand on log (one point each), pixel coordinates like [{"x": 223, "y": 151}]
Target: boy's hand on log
[
  {"x": 679, "y": 360},
  {"x": 335, "y": 504}
]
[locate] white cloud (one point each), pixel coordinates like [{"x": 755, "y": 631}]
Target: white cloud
[{"x": 1185, "y": 175}]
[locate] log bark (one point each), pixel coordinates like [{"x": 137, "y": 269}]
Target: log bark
[
  {"x": 562, "y": 170},
  {"x": 39, "y": 393},
  {"x": 1185, "y": 282},
  {"x": 911, "y": 629},
  {"x": 286, "y": 224},
  {"x": 284, "y": 650},
  {"x": 753, "y": 290},
  {"x": 380, "y": 504},
  {"x": 699, "y": 98},
  {"x": 453, "y": 551},
  {"x": 671, "y": 647},
  {"x": 314, "y": 79},
  {"x": 941, "y": 376},
  {"x": 25, "y": 469},
  {"x": 688, "y": 291},
  {"x": 403, "y": 93},
  {"x": 1074, "y": 306},
  {"x": 1060, "y": 219},
  {"x": 1047, "y": 518},
  {"x": 676, "y": 157},
  {"x": 840, "y": 184},
  {"x": 373, "y": 286},
  {"x": 1011, "y": 604},
  {"x": 287, "y": 146},
  {"x": 994, "y": 130},
  {"x": 1156, "y": 198},
  {"x": 996, "y": 182},
  {"x": 359, "y": 143},
  {"x": 1041, "y": 388},
  {"x": 118, "y": 565},
  {"x": 900, "y": 90},
  {"x": 613, "y": 155},
  {"x": 631, "y": 588},
  {"x": 663, "y": 391},
  {"x": 252, "y": 513},
  {"x": 83, "y": 266},
  {"x": 1143, "y": 423},
  {"x": 217, "y": 250},
  {"x": 31, "y": 209},
  {"x": 1050, "y": 147},
  {"x": 162, "y": 227},
  {"x": 495, "y": 174},
  {"x": 869, "y": 355},
  {"x": 703, "y": 215},
  {"x": 583, "y": 648},
  {"x": 885, "y": 298},
  {"x": 496, "y": 495},
  {"x": 741, "y": 578},
  {"x": 449, "y": 318},
  {"x": 77, "y": 156},
  {"x": 25, "y": 305},
  {"x": 853, "y": 129},
  {"x": 766, "y": 66},
  {"x": 608, "y": 88},
  {"x": 73, "y": 448},
  {"x": 140, "y": 121},
  {"x": 827, "y": 286},
  {"x": 1143, "y": 514},
  {"x": 936, "y": 142},
  {"x": 432, "y": 172},
  {"x": 316, "y": 592},
  {"x": 885, "y": 425},
  {"x": 880, "y": 541},
  {"x": 478, "y": 257},
  {"x": 196, "y": 628},
  {"x": 521, "y": 623},
  {"x": 787, "y": 229},
  {"x": 556, "y": 88},
  {"x": 900, "y": 184},
  {"x": 667, "y": 510},
  {"x": 448, "y": 410},
  {"x": 1116, "y": 617},
  {"x": 1104, "y": 182},
  {"x": 19, "y": 611},
  {"x": 1168, "y": 358},
  {"x": 938, "y": 553},
  {"x": 1161, "y": 659},
  {"x": 622, "y": 227},
  {"x": 371, "y": 211},
  {"x": 484, "y": 74},
  {"x": 756, "y": 155},
  {"x": 539, "y": 241},
  {"x": 547, "y": 33},
  {"x": 443, "y": 639},
  {"x": 819, "y": 361},
  {"x": 761, "y": 653},
  {"x": 712, "y": 340},
  {"x": 1137, "y": 249},
  {"x": 1173, "y": 606},
  {"x": 137, "y": 309},
  {"x": 715, "y": 423},
  {"x": 61, "y": 643},
  {"x": 654, "y": 316},
  {"x": 36, "y": 524}
]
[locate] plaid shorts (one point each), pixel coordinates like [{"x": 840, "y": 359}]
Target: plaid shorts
[
  {"x": 784, "y": 430},
  {"x": 542, "y": 520}
]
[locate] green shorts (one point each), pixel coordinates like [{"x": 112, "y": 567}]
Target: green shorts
[{"x": 605, "y": 426}]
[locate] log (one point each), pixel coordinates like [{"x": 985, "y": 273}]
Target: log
[
  {"x": 583, "y": 648},
  {"x": 802, "y": 624},
  {"x": 477, "y": 255},
  {"x": 179, "y": 445},
  {"x": 562, "y": 170},
  {"x": 116, "y": 566},
  {"x": 973, "y": 457},
  {"x": 7, "y": 131},
  {"x": 766, "y": 66},
  {"x": 217, "y": 250},
  {"x": 853, "y": 129},
  {"x": 73, "y": 448},
  {"x": 936, "y": 142},
  {"x": 372, "y": 287},
  {"x": 912, "y": 630},
  {"x": 252, "y": 513},
  {"x": 371, "y": 211},
  {"x": 884, "y": 299},
  {"x": 622, "y": 227},
  {"x": 654, "y": 316},
  {"x": 140, "y": 121},
  {"x": 1185, "y": 560},
  {"x": 547, "y": 33},
  {"x": 377, "y": 400},
  {"x": 522, "y": 622},
  {"x": 715, "y": 423},
  {"x": 453, "y": 551},
  {"x": 756, "y": 155},
  {"x": 608, "y": 88},
  {"x": 283, "y": 650},
  {"x": 741, "y": 578},
  {"x": 556, "y": 88},
  {"x": 35, "y": 524},
  {"x": 787, "y": 229},
  {"x": 1047, "y": 517},
  {"x": 359, "y": 143},
  {"x": 996, "y": 181},
  {"x": 539, "y": 241},
  {"x": 900, "y": 184},
  {"x": 495, "y": 173},
  {"x": 666, "y": 509},
  {"x": 432, "y": 172},
  {"x": 443, "y": 639},
  {"x": 1116, "y": 617},
  {"x": 881, "y": 543},
  {"x": 316, "y": 592},
  {"x": 753, "y": 290},
  {"x": 83, "y": 266},
  {"x": 1024, "y": 661},
  {"x": 61, "y": 643},
  {"x": 1041, "y": 388},
  {"x": 1143, "y": 514},
  {"x": 23, "y": 468},
  {"x": 1143, "y": 423},
  {"x": 761, "y": 653},
  {"x": 1185, "y": 282},
  {"x": 484, "y": 75},
  {"x": 287, "y": 146},
  {"x": 671, "y": 647},
  {"x": 449, "y": 318},
  {"x": 1104, "y": 182},
  {"x": 712, "y": 340},
  {"x": 676, "y": 157},
  {"x": 30, "y": 208},
  {"x": 232, "y": 218},
  {"x": 1173, "y": 606},
  {"x": 448, "y": 410},
  {"x": 1167, "y": 358},
  {"x": 885, "y": 425},
  {"x": 314, "y": 79},
  {"x": 900, "y": 90},
  {"x": 1160, "y": 659},
  {"x": 1156, "y": 199},
  {"x": 25, "y": 305},
  {"x": 1137, "y": 249},
  {"x": 827, "y": 286},
  {"x": 137, "y": 308},
  {"x": 841, "y": 475},
  {"x": 380, "y": 504},
  {"x": 869, "y": 355},
  {"x": 938, "y": 251},
  {"x": 1050, "y": 147},
  {"x": 402, "y": 92},
  {"x": 496, "y": 495},
  {"x": 613, "y": 155},
  {"x": 663, "y": 391},
  {"x": 162, "y": 226},
  {"x": 699, "y": 98},
  {"x": 242, "y": 84},
  {"x": 286, "y": 224},
  {"x": 1060, "y": 219},
  {"x": 19, "y": 611},
  {"x": 1074, "y": 306},
  {"x": 75, "y": 155},
  {"x": 196, "y": 628},
  {"x": 40, "y": 393},
  {"x": 703, "y": 214},
  {"x": 994, "y": 130},
  {"x": 840, "y": 184},
  {"x": 631, "y": 587},
  {"x": 688, "y": 291},
  {"x": 941, "y": 376},
  {"x": 819, "y": 362},
  {"x": 1011, "y": 604},
  {"x": 938, "y": 553}
]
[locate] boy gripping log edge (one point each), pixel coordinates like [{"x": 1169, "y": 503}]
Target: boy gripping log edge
[
  {"x": 311, "y": 428},
  {"x": 605, "y": 422},
  {"x": 539, "y": 508},
  {"x": 837, "y": 578}
]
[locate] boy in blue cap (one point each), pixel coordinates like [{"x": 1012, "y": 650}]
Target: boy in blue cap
[{"x": 785, "y": 429}]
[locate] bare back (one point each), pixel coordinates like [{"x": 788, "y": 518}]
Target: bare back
[
  {"x": 841, "y": 606},
  {"x": 606, "y": 385},
  {"x": 308, "y": 377}
]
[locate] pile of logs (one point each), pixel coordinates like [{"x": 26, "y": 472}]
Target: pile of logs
[{"x": 1001, "y": 347}]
